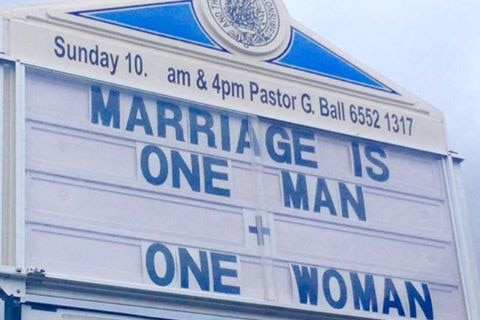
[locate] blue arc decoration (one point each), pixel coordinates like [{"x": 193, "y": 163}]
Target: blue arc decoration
[
  {"x": 174, "y": 20},
  {"x": 177, "y": 20},
  {"x": 306, "y": 54}
]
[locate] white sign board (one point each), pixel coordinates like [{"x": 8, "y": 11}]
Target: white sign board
[
  {"x": 126, "y": 187},
  {"x": 221, "y": 161}
]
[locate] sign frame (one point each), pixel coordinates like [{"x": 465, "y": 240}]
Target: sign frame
[{"x": 458, "y": 212}]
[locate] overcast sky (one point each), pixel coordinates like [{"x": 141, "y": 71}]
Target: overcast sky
[{"x": 429, "y": 47}]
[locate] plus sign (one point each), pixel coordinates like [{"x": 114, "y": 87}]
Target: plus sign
[{"x": 259, "y": 230}]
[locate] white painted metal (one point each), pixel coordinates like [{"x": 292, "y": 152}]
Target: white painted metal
[
  {"x": 5, "y": 95},
  {"x": 2, "y": 120},
  {"x": 2, "y": 35},
  {"x": 12, "y": 282},
  {"x": 462, "y": 229},
  {"x": 9, "y": 160},
  {"x": 20, "y": 145}
]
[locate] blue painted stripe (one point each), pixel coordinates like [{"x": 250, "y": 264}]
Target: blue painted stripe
[
  {"x": 174, "y": 20},
  {"x": 306, "y": 54}
]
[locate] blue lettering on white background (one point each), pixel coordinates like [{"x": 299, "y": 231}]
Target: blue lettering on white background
[
  {"x": 196, "y": 269},
  {"x": 374, "y": 155},
  {"x": 306, "y": 279},
  {"x": 334, "y": 276},
  {"x": 167, "y": 277},
  {"x": 201, "y": 271},
  {"x": 292, "y": 151},
  {"x": 138, "y": 117},
  {"x": 93, "y": 55},
  {"x": 367, "y": 292},
  {"x": 297, "y": 189},
  {"x": 182, "y": 170},
  {"x": 220, "y": 273},
  {"x": 364, "y": 296},
  {"x": 173, "y": 121},
  {"x": 105, "y": 113},
  {"x": 290, "y": 146},
  {"x": 283, "y": 148},
  {"x": 192, "y": 125},
  {"x": 392, "y": 299}
]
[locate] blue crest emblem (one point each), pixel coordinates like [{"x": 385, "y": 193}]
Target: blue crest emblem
[{"x": 253, "y": 23}]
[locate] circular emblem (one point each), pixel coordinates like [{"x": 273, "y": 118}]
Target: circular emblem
[
  {"x": 249, "y": 26},
  {"x": 252, "y": 23}
]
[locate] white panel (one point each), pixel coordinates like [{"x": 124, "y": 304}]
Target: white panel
[
  {"x": 83, "y": 255},
  {"x": 450, "y": 303},
  {"x": 247, "y": 206},
  {"x": 125, "y": 212},
  {"x": 371, "y": 251}
]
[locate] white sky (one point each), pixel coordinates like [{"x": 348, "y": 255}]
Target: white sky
[{"x": 429, "y": 47}]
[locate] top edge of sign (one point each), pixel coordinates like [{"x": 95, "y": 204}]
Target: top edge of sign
[
  {"x": 269, "y": 36},
  {"x": 257, "y": 37}
]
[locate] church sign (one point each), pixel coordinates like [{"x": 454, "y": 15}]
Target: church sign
[{"x": 218, "y": 151}]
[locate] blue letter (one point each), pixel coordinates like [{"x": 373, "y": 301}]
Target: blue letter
[
  {"x": 145, "y": 165},
  {"x": 367, "y": 296},
  {"x": 174, "y": 122},
  {"x": 295, "y": 195},
  {"x": 60, "y": 50},
  {"x": 225, "y": 126},
  {"x": 169, "y": 265},
  {"x": 342, "y": 300},
  {"x": 425, "y": 301},
  {"x": 243, "y": 135},
  {"x": 357, "y": 160},
  {"x": 192, "y": 176},
  {"x": 201, "y": 274},
  {"x": 211, "y": 175},
  {"x": 196, "y": 127},
  {"x": 323, "y": 198},
  {"x": 286, "y": 156},
  {"x": 384, "y": 174},
  {"x": 299, "y": 148},
  {"x": 391, "y": 299},
  {"x": 219, "y": 273},
  {"x": 138, "y": 108},
  {"x": 357, "y": 204},
  {"x": 110, "y": 113},
  {"x": 307, "y": 284}
]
